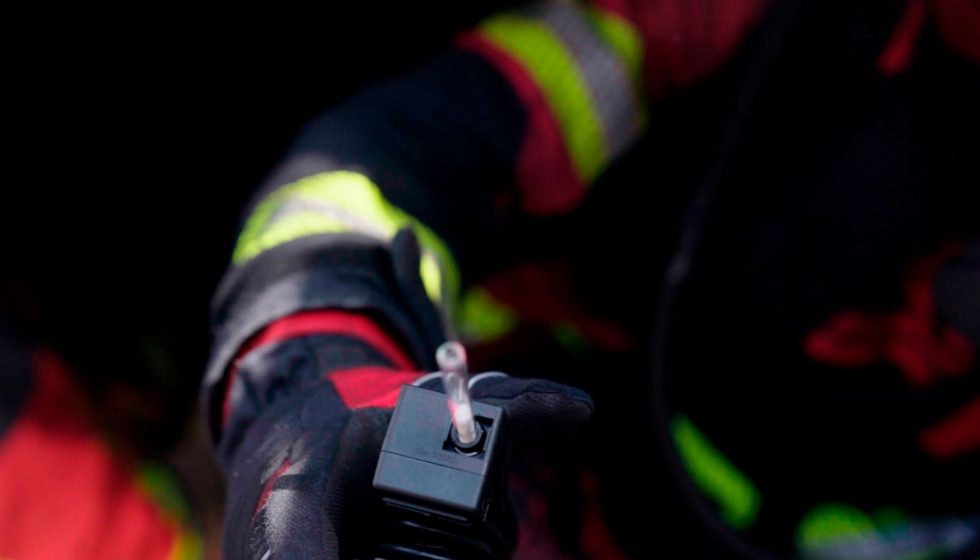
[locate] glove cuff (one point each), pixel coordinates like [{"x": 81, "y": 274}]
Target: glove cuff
[{"x": 354, "y": 353}]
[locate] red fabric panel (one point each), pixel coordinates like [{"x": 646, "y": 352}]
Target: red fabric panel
[
  {"x": 897, "y": 54},
  {"x": 954, "y": 436},
  {"x": 959, "y": 24},
  {"x": 267, "y": 489},
  {"x": 849, "y": 339},
  {"x": 370, "y": 386},
  {"x": 686, "y": 40},
  {"x": 910, "y": 338},
  {"x": 596, "y": 538},
  {"x": 321, "y": 321},
  {"x": 536, "y": 539},
  {"x": 544, "y": 173},
  {"x": 331, "y": 321},
  {"x": 542, "y": 295},
  {"x": 62, "y": 492}
]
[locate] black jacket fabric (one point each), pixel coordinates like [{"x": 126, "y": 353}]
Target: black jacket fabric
[{"x": 828, "y": 217}]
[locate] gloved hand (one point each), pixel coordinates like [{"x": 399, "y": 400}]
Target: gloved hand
[{"x": 300, "y": 474}]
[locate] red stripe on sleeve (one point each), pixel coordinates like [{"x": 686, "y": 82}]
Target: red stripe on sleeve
[
  {"x": 370, "y": 386},
  {"x": 544, "y": 173},
  {"x": 331, "y": 321},
  {"x": 322, "y": 321}
]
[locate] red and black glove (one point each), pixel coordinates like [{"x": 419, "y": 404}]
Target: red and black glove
[
  {"x": 300, "y": 473},
  {"x": 302, "y": 408}
]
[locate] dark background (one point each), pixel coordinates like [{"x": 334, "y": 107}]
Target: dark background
[{"x": 136, "y": 147}]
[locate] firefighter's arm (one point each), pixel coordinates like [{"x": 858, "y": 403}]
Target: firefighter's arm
[
  {"x": 519, "y": 119},
  {"x": 352, "y": 257}
]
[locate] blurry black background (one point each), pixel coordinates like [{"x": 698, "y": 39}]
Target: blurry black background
[{"x": 137, "y": 139}]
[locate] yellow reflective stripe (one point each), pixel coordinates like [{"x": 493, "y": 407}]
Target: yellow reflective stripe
[
  {"x": 295, "y": 226},
  {"x": 737, "y": 498},
  {"x": 481, "y": 318},
  {"x": 545, "y": 57},
  {"x": 343, "y": 201},
  {"x": 623, "y": 38},
  {"x": 431, "y": 276}
]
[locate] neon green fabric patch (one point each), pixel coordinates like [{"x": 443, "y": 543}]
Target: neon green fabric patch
[
  {"x": 344, "y": 202},
  {"x": 737, "y": 498},
  {"x": 838, "y": 530},
  {"x": 830, "y": 522},
  {"x": 482, "y": 318}
]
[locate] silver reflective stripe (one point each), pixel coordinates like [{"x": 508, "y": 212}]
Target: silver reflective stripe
[
  {"x": 298, "y": 204},
  {"x": 614, "y": 95}
]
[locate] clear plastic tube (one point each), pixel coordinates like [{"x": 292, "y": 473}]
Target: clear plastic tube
[{"x": 451, "y": 357}]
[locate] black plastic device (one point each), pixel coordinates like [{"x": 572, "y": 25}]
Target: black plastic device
[{"x": 443, "y": 500}]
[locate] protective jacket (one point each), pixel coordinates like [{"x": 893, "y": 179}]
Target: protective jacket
[
  {"x": 65, "y": 492},
  {"x": 814, "y": 375}
]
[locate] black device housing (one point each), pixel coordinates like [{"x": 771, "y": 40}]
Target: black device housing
[{"x": 443, "y": 502}]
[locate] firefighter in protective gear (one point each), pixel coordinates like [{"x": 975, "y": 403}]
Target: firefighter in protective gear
[
  {"x": 816, "y": 381},
  {"x": 814, "y": 390}
]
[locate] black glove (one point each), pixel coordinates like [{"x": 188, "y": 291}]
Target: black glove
[{"x": 300, "y": 480}]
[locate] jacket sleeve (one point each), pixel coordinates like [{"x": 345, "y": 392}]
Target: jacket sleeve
[
  {"x": 518, "y": 120},
  {"x": 65, "y": 492}
]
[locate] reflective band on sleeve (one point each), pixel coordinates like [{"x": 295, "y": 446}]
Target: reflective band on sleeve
[
  {"x": 832, "y": 531},
  {"x": 610, "y": 83},
  {"x": 737, "y": 497},
  {"x": 625, "y": 39},
  {"x": 554, "y": 70},
  {"x": 343, "y": 201},
  {"x": 589, "y": 87}
]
